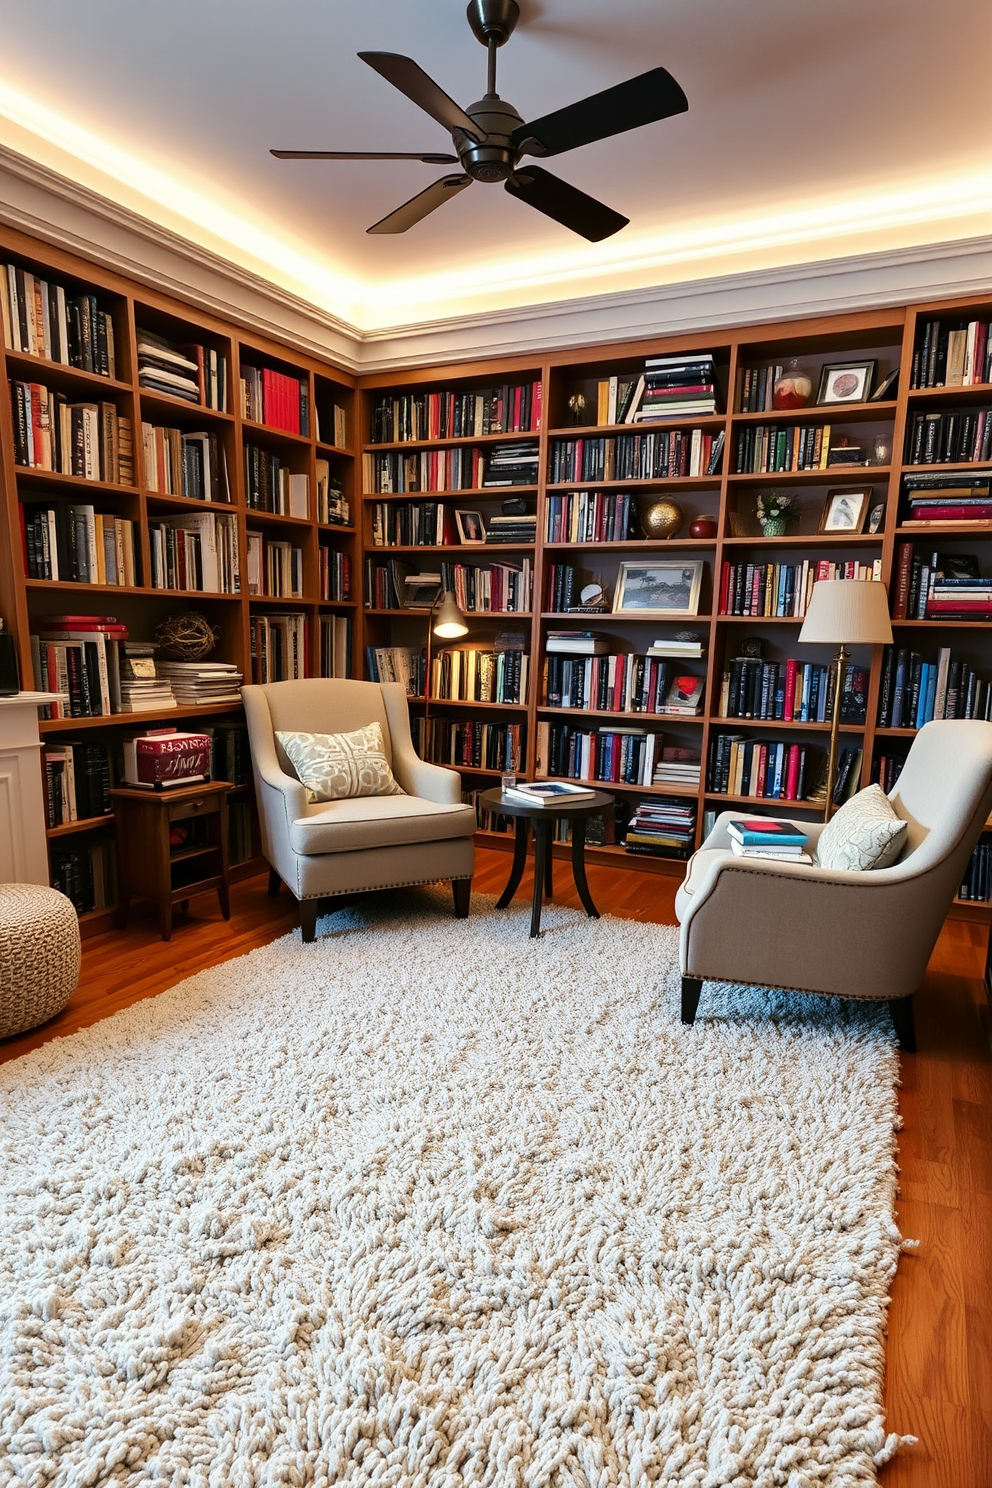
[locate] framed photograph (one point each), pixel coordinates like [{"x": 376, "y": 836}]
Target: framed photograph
[
  {"x": 471, "y": 528},
  {"x": 658, "y": 588},
  {"x": 846, "y": 382},
  {"x": 876, "y": 517},
  {"x": 844, "y": 511}
]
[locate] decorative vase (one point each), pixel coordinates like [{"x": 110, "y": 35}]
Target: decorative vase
[
  {"x": 662, "y": 519},
  {"x": 703, "y": 527},
  {"x": 775, "y": 526},
  {"x": 793, "y": 387}
]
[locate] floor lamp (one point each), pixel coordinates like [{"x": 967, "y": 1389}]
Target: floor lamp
[
  {"x": 447, "y": 622},
  {"x": 842, "y": 613}
]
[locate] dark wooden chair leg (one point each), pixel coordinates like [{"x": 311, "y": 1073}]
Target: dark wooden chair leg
[
  {"x": 901, "y": 1009},
  {"x": 461, "y": 889},
  {"x": 519, "y": 863},
  {"x": 691, "y": 988},
  {"x": 308, "y": 919},
  {"x": 275, "y": 883}
]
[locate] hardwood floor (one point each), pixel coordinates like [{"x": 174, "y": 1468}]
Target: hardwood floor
[{"x": 939, "y": 1381}]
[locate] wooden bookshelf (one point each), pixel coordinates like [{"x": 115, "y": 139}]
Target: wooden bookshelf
[{"x": 889, "y": 336}]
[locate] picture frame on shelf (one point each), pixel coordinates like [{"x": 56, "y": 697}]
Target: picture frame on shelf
[
  {"x": 846, "y": 382},
  {"x": 471, "y": 529},
  {"x": 876, "y": 518},
  {"x": 658, "y": 587},
  {"x": 886, "y": 388},
  {"x": 844, "y": 511}
]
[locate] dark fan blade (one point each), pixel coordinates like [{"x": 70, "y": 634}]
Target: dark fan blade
[
  {"x": 420, "y": 205},
  {"x": 428, "y": 159},
  {"x": 566, "y": 204},
  {"x": 412, "y": 80},
  {"x": 641, "y": 100}
]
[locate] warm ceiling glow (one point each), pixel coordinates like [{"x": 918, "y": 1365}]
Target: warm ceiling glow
[{"x": 631, "y": 260}]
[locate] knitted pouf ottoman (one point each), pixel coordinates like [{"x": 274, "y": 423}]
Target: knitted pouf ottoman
[{"x": 39, "y": 955}]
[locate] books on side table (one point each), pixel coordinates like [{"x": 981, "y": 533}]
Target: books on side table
[
  {"x": 767, "y": 837},
  {"x": 547, "y": 793}
]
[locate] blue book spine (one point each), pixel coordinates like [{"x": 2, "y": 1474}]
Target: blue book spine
[{"x": 931, "y": 693}]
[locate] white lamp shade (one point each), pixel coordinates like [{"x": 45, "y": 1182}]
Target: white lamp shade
[
  {"x": 848, "y": 612},
  {"x": 450, "y": 622}
]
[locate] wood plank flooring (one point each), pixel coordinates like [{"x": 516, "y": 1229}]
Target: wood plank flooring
[{"x": 939, "y": 1379}]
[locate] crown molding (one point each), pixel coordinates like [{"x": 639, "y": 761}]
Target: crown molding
[{"x": 47, "y": 205}]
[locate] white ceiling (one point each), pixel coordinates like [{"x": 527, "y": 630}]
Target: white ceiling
[{"x": 814, "y": 129}]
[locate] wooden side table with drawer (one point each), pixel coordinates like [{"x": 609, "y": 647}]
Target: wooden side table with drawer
[{"x": 171, "y": 845}]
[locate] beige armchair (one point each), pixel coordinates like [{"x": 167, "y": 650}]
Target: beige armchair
[
  {"x": 325, "y": 849},
  {"x": 866, "y": 935}
]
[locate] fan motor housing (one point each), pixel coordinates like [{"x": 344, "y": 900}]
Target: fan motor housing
[{"x": 496, "y": 159}]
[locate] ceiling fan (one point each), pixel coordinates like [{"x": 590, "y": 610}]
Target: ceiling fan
[{"x": 491, "y": 138}]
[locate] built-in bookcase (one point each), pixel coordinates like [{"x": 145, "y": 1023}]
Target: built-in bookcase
[
  {"x": 353, "y": 496},
  {"x": 174, "y": 442}
]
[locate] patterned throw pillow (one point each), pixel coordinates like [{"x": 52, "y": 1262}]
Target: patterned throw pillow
[
  {"x": 337, "y": 767},
  {"x": 865, "y": 833}
]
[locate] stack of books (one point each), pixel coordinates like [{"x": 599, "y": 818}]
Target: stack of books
[
  {"x": 948, "y": 500},
  {"x": 518, "y": 529},
  {"x": 576, "y": 643},
  {"x": 547, "y": 793},
  {"x": 662, "y": 828},
  {"x": 164, "y": 369},
  {"x": 676, "y": 647},
  {"x": 678, "y": 766},
  {"x": 764, "y": 837},
  {"x": 957, "y": 590},
  {"x": 202, "y": 682},
  {"x": 676, "y": 387},
  {"x": 142, "y": 689},
  {"x": 511, "y": 464}
]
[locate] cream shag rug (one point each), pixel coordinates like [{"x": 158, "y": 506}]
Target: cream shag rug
[{"x": 430, "y": 1204}]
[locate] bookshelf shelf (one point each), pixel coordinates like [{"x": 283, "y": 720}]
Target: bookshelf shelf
[
  {"x": 822, "y": 413},
  {"x": 136, "y": 720},
  {"x": 620, "y": 618},
  {"x": 652, "y": 483},
  {"x": 186, "y": 503},
  {"x": 267, "y": 432},
  {"x": 976, "y": 392},
  {"x": 88, "y": 824},
  {"x": 941, "y": 624},
  {"x": 276, "y": 519},
  {"x": 778, "y": 804},
  {"x": 462, "y": 439},
  {"x": 809, "y": 540},
  {"x": 167, "y": 406},
  {"x": 595, "y": 431},
  {"x": 635, "y": 545},
  {"x": 28, "y": 368},
  {"x": 634, "y": 720},
  {"x": 31, "y": 473},
  {"x": 847, "y": 474},
  {"x": 732, "y": 724},
  {"x": 442, "y": 702},
  {"x": 488, "y": 493}
]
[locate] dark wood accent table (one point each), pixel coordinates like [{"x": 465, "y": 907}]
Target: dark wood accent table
[
  {"x": 148, "y": 868},
  {"x": 541, "y": 817}
]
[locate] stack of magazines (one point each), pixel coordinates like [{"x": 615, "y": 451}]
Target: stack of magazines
[{"x": 765, "y": 837}]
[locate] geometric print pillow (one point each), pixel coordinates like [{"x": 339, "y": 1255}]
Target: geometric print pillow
[
  {"x": 337, "y": 767},
  {"x": 865, "y": 833}
]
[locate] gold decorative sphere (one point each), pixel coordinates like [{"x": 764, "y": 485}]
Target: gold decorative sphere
[{"x": 662, "y": 519}]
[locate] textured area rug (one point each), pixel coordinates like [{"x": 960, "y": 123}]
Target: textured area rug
[{"x": 427, "y": 1204}]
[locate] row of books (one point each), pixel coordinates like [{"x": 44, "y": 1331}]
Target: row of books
[
  {"x": 613, "y": 755},
  {"x": 196, "y": 550},
  {"x": 332, "y": 423},
  {"x": 661, "y": 455},
  {"x": 469, "y": 744},
  {"x": 620, "y": 683},
  {"x": 275, "y": 567},
  {"x": 412, "y": 524},
  {"x": 783, "y": 589},
  {"x": 592, "y": 516},
  {"x": 487, "y": 818},
  {"x": 510, "y": 408},
  {"x": 91, "y": 440},
  {"x": 886, "y": 769},
  {"x": 739, "y": 766},
  {"x": 240, "y": 833},
  {"x": 333, "y": 574},
  {"x": 662, "y": 828},
  {"x": 276, "y": 399},
  {"x": 914, "y": 691},
  {"x": 191, "y": 371},
  {"x": 942, "y": 586},
  {"x": 77, "y": 781},
  {"x": 952, "y": 353},
  {"x": 271, "y": 486},
  {"x": 471, "y": 674},
  {"x": 333, "y": 506},
  {"x": 405, "y": 664},
  {"x": 951, "y": 499},
  {"x": 977, "y": 883},
  {"x": 71, "y": 542},
  {"x": 391, "y": 472},
  {"x": 44, "y": 319},
  {"x": 86, "y": 874},
  {"x": 335, "y": 645},
  {"x": 180, "y": 464},
  {"x": 491, "y": 588},
  {"x": 90, "y": 660},
  {"x": 279, "y": 647},
  {"x": 773, "y": 448},
  {"x": 952, "y": 436},
  {"x": 791, "y": 692}
]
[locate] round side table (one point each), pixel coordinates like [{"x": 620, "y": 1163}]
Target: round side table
[{"x": 541, "y": 818}]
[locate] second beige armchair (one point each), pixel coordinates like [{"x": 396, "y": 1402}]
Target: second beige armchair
[{"x": 322, "y": 850}]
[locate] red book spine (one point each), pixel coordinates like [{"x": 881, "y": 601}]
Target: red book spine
[
  {"x": 536, "y": 406},
  {"x": 754, "y": 608},
  {"x": 955, "y": 513},
  {"x": 792, "y": 773},
  {"x": 725, "y": 579},
  {"x": 791, "y": 669},
  {"x": 762, "y": 769}
]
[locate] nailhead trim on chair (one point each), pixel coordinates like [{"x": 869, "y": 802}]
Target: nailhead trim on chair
[{"x": 402, "y": 883}]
